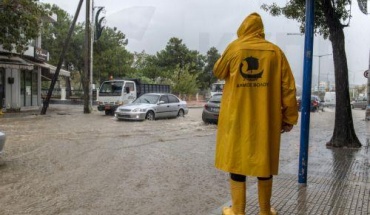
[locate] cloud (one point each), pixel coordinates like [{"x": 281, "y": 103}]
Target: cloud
[{"x": 133, "y": 21}]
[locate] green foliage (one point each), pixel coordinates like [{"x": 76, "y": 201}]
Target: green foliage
[
  {"x": 109, "y": 54},
  {"x": 54, "y": 36},
  {"x": 330, "y": 18},
  {"x": 111, "y": 57},
  {"x": 206, "y": 77},
  {"x": 146, "y": 65},
  {"x": 175, "y": 58},
  {"x": 20, "y": 22},
  {"x": 184, "y": 69},
  {"x": 177, "y": 54},
  {"x": 183, "y": 82}
]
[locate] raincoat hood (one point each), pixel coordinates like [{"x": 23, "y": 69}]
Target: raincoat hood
[{"x": 252, "y": 26}]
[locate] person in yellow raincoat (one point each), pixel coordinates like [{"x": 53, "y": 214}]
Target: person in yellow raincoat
[{"x": 258, "y": 104}]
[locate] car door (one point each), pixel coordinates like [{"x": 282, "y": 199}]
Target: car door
[
  {"x": 129, "y": 92},
  {"x": 163, "y": 107},
  {"x": 174, "y": 105}
]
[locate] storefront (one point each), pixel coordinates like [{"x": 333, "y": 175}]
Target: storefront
[{"x": 20, "y": 82}]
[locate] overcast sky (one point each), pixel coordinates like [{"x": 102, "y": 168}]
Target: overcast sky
[{"x": 201, "y": 24}]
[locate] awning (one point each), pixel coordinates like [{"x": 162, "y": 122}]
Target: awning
[
  {"x": 52, "y": 69},
  {"x": 14, "y": 63}
]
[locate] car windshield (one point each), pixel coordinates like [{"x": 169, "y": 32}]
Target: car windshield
[
  {"x": 216, "y": 98},
  {"x": 111, "y": 88},
  {"x": 147, "y": 99}
]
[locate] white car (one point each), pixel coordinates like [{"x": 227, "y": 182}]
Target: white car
[
  {"x": 152, "y": 106},
  {"x": 2, "y": 142}
]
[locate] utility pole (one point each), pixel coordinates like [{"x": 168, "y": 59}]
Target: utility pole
[
  {"x": 91, "y": 53},
  {"x": 61, "y": 58},
  {"x": 318, "y": 76},
  {"x": 87, "y": 61}
]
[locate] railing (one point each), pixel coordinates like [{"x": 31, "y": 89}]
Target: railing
[{"x": 70, "y": 94}]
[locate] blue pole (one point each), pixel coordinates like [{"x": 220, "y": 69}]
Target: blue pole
[{"x": 306, "y": 93}]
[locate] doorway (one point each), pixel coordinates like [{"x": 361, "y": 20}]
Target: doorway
[{"x": 29, "y": 83}]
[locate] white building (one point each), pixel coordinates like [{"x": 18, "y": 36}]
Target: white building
[{"x": 21, "y": 76}]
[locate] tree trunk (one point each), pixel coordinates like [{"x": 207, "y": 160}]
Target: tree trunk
[{"x": 344, "y": 133}]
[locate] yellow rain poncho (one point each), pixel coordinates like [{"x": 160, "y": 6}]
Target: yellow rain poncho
[{"x": 259, "y": 94}]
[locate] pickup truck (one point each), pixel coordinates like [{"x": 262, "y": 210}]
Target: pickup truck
[{"x": 114, "y": 93}]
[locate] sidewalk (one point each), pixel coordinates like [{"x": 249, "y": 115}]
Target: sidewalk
[
  {"x": 338, "y": 179},
  {"x": 195, "y": 104}
]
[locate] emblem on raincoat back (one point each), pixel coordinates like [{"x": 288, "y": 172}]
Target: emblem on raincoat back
[{"x": 247, "y": 69}]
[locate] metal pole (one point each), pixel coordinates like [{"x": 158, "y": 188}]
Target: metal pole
[
  {"x": 318, "y": 77},
  {"x": 65, "y": 48},
  {"x": 87, "y": 61},
  {"x": 367, "y": 113},
  {"x": 306, "y": 93},
  {"x": 92, "y": 53}
]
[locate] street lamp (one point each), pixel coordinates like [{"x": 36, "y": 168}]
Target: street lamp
[
  {"x": 98, "y": 22},
  {"x": 95, "y": 33},
  {"x": 318, "y": 77}
]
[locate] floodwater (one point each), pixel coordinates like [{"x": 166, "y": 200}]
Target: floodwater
[{"x": 67, "y": 162}]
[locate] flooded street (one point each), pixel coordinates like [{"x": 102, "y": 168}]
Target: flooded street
[{"x": 67, "y": 162}]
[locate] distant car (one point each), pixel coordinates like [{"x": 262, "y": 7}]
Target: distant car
[
  {"x": 2, "y": 142},
  {"x": 316, "y": 104},
  {"x": 152, "y": 106},
  {"x": 211, "y": 109},
  {"x": 359, "y": 103}
]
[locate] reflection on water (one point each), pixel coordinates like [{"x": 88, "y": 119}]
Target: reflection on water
[{"x": 344, "y": 170}]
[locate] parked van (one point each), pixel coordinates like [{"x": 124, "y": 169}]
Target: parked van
[{"x": 329, "y": 99}]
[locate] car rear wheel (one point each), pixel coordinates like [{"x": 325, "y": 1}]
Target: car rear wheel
[
  {"x": 150, "y": 115},
  {"x": 204, "y": 119},
  {"x": 181, "y": 113}
]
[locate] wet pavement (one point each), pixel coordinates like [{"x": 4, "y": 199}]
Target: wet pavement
[
  {"x": 90, "y": 172},
  {"x": 338, "y": 179}
]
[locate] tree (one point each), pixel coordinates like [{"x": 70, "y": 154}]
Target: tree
[
  {"x": 20, "y": 22},
  {"x": 174, "y": 54},
  {"x": 53, "y": 39},
  {"x": 206, "y": 78},
  {"x": 177, "y": 55},
  {"x": 331, "y": 17},
  {"x": 110, "y": 55},
  {"x": 146, "y": 68},
  {"x": 186, "y": 84}
]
